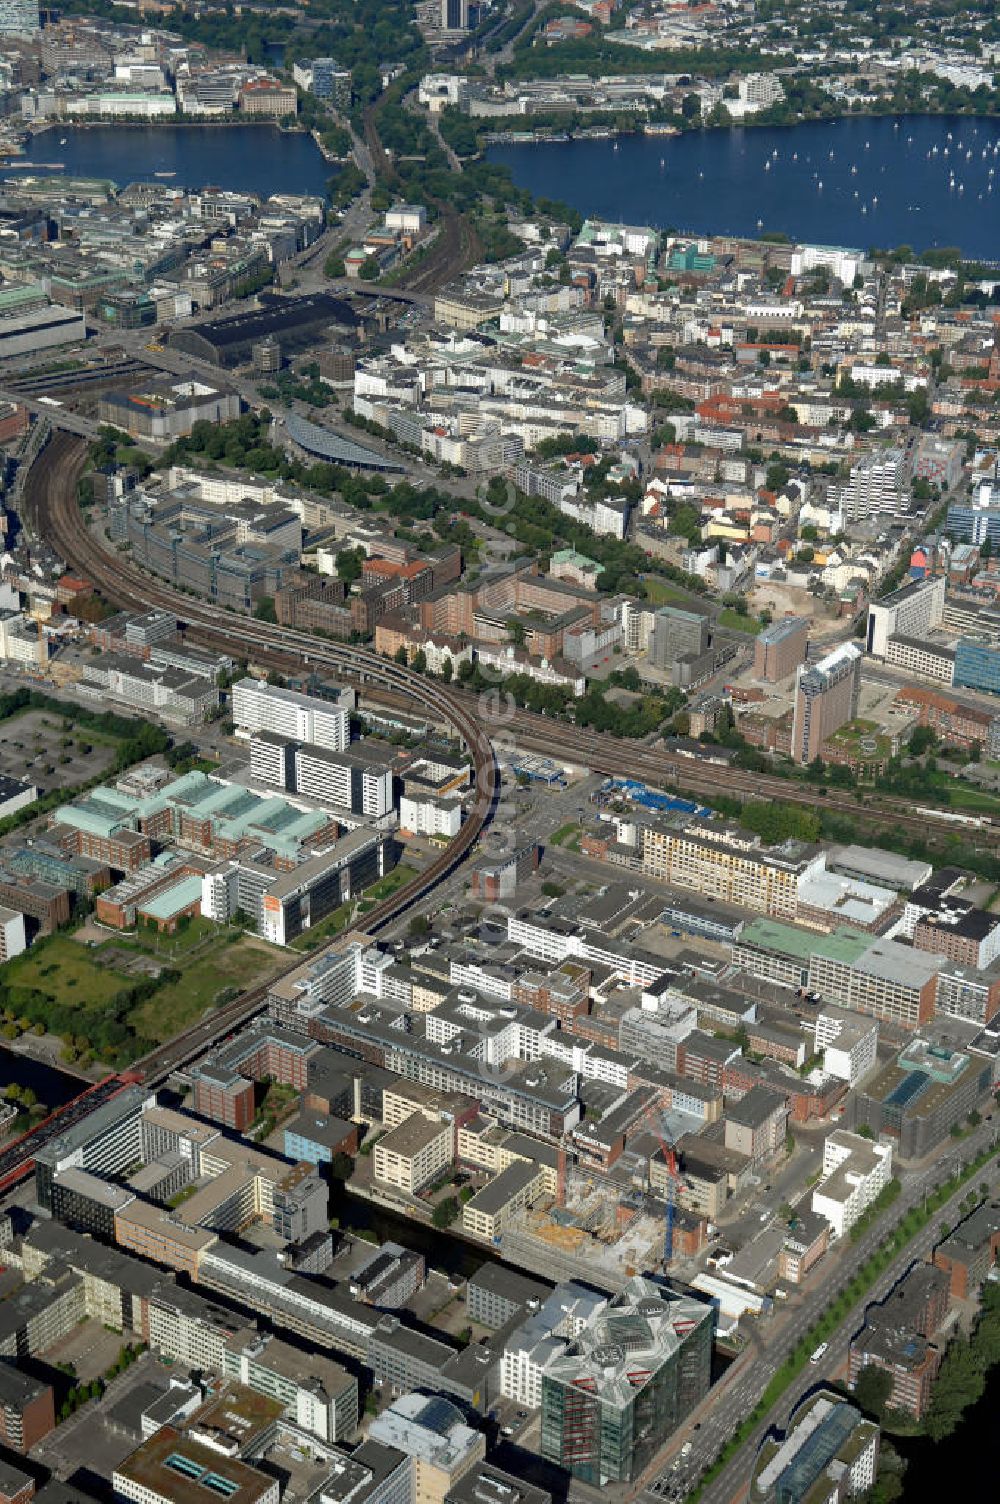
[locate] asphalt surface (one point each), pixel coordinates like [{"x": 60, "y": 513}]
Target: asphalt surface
[{"x": 735, "y": 1396}]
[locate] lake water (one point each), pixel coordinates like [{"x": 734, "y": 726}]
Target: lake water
[
  {"x": 918, "y": 180},
  {"x": 250, "y": 158}
]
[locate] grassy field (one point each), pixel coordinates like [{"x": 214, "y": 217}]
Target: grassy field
[
  {"x": 661, "y": 593},
  {"x": 961, "y": 796},
  {"x": 96, "y": 996},
  {"x": 216, "y": 970},
  {"x": 62, "y": 969},
  {"x": 737, "y": 623}
]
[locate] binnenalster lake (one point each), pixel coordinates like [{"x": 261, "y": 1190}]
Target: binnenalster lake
[
  {"x": 914, "y": 180},
  {"x": 249, "y": 158}
]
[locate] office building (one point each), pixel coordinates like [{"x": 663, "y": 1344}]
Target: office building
[
  {"x": 433, "y": 1434},
  {"x": 297, "y": 900},
  {"x": 454, "y": 15},
  {"x": 780, "y": 648},
  {"x": 828, "y": 1452},
  {"x": 496, "y": 1294},
  {"x": 912, "y": 611},
  {"x": 258, "y": 706},
  {"x": 855, "y": 1172},
  {"x": 414, "y": 1153},
  {"x": 27, "y": 1408},
  {"x": 318, "y": 1394},
  {"x": 919, "y": 1096},
  {"x": 968, "y": 1254},
  {"x": 977, "y": 664},
  {"x": 625, "y": 1383},
  {"x": 486, "y": 1484},
  {"x": 677, "y": 634},
  {"x": 172, "y": 1467},
  {"x": 325, "y": 78},
  {"x": 107, "y": 1141},
  {"x": 826, "y": 698},
  {"x": 12, "y": 937},
  {"x": 806, "y": 1241}
]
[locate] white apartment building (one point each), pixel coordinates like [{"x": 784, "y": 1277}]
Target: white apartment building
[
  {"x": 877, "y": 483},
  {"x": 912, "y": 611},
  {"x": 855, "y": 1171},
  {"x": 848, "y": 1043},
  {"x": 257, "y": 706},
  {"x": 542, "y": 1337},
  {"x": 341, "y": 778},
  {"x": 430, "y": 815},
  {"x": 12, "y": 937}
]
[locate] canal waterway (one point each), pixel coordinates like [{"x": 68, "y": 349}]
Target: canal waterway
[
  {"x": 923, "y": 181},
  {"x": 52, "y": 1086}
]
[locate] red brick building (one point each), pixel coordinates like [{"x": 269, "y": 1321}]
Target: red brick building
[{"x": 27, "y": 1409}]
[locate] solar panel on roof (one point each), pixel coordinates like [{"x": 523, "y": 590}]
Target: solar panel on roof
[{"x": 439, "y": 1415}]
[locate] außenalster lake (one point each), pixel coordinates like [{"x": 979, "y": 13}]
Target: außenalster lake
[
  {"x": 911, "y": 180},
  {"x": 250, "y": 158}
]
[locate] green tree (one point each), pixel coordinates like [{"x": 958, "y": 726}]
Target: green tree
[
  {"x": 873, "y": 1389},
  {"x": 445, "y": 1213}
]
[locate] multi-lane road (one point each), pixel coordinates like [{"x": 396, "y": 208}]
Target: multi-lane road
[{"x": 744, "y": 1384}]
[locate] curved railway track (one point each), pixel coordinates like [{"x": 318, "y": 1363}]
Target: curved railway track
[{"x": 50, "y": 505}]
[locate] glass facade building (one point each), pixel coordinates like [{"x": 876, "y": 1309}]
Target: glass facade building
[{"x": 625, "y": 1383}]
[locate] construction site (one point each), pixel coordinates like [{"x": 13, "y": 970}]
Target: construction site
[{"x": 600, "y": 1232}]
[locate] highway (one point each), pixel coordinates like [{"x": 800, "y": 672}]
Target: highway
[{"x": 51, "y": 511}]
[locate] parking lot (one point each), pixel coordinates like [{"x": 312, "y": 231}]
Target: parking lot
[{"x": 36, "y": 747}]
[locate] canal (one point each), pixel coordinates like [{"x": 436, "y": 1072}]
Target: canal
[{"x": 51, "y": 1086}]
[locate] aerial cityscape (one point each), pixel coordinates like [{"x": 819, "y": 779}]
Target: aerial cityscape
[{"x": 499, "y": 751}]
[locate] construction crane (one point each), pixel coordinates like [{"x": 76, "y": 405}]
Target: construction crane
[{"x": 673, "y": 1179}]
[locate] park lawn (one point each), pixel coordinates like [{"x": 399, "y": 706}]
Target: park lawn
[
  {"x": 566, "y": 834},
  {"x": 64, "y": 971},
  {"x": 219, "y": 968},
  {"x": 730, "y": 618}
]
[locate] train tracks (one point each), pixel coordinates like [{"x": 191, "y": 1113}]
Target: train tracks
[
  {"x": 125, "y": 372},
  {"x": 51, "y": 510}
]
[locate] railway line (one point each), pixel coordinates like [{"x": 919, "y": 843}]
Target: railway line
[
  {"x": 50, "y": 509},
  {"x": 70, "y": 381}
]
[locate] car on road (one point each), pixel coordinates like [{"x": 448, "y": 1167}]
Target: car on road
[{"x": 817, "y": 1355}]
